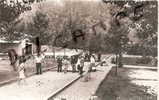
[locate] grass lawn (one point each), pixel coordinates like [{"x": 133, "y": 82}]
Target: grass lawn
[{"x": 130, "y": 84}]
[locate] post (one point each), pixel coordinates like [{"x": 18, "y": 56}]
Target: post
[
  {"x": 120, "y": 64},
  {"x": 53, "y": 50},
  {"x": 64, "y": 51},
  {"x": 116, "y": 72},
  {"x": 38, "y": 46}
]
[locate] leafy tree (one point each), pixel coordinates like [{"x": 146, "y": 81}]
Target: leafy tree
[
  {"x": 10, "y": 10},
  {"x": 39, "y": 27},
  {"x": 135, "y": 15}
]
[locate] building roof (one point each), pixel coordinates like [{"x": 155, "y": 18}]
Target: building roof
[
  {"x": 15, "y": 41},
  {"x": 4, "y": 41}
]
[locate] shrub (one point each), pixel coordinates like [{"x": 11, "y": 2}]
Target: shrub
[{"x": 144, "y": 60}]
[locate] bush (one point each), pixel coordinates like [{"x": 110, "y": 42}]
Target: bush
[
  {"x": 144, "y": 60},
  {"x": 113, "y": 60},
  {"x": 154, "y": 62}
]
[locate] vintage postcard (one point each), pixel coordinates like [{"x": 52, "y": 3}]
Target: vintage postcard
[{"x": 78, "y": 49}]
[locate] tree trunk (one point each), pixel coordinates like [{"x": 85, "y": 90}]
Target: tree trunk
[
  {"x": 120, "y": 64},
  {"x": 53, "y": 50},
  {"x": 116, "y": 72}
]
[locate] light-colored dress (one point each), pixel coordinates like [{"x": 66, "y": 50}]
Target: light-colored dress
[
  {"x": 21, "y": 71},
  {"x": 92, "y": 64},
  {"x": 66, "y": 64}
]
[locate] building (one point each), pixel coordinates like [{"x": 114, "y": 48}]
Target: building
[{"x": 21, "y": 47}]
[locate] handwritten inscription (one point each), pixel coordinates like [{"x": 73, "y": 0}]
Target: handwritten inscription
[
  {"x": 77, "y": 34},
  {"x": 138, "y": 12},
  {"x": 119, "y": 16},
  {"x": 101, "y": 24}
]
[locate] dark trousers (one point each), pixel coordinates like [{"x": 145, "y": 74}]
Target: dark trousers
[
  {"x": 73, "y": 67},
  {"x": 59, "y": 68},
  {"x": 38, "y": 68},
  {"x": 80, "y": 69}
]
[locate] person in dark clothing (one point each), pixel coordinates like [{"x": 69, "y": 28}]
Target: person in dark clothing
[
  {"x": 80, "y": 65},
  {"x": 59, "y": 67},
  {"x": 79, "y": 69},
  {"x": 73, "y": 63},
  {"x": 99, "y": 57}
]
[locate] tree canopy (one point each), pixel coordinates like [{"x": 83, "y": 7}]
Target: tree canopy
[
  {"x": 101, "y": 26},
  {"x": 10, "y": 10}
]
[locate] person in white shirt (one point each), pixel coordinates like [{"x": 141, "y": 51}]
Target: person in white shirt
[
  {"x": 92, "y": 63},
  {"x": 39, "y": 59}
]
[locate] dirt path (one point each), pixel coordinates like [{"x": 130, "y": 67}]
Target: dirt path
[
  {"x": 130, "y": 84},
  {"x": 7, "y": 73}
]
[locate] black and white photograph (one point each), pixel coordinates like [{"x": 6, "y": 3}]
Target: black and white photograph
[{"x": 79, "y": 50}]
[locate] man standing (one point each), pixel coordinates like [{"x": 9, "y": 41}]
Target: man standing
[
  {"x": 80, "y": 67},
  {"x": 59, "y": 61},
  {"x": 38, "y": 59},
  {"x": 73, "y": 63}
]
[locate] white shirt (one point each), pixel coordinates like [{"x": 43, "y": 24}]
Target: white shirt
[
  {"x": 92, "y": 60},
  {"x": 39, "y": 58},
  {"x": 78, "y": 62}
]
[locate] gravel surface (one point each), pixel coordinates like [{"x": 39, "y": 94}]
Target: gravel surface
[
  {"x": 37, "y": 87},
  {"x": 82, "y": 90}
]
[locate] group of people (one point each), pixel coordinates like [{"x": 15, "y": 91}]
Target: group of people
[
  {"x": 77, "y": 62},
  {"x": 65, "y": 62}
]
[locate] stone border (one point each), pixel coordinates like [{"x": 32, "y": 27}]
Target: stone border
[
  {"x": 73, "y": 81},
  {"x": 61, "y": 89}
]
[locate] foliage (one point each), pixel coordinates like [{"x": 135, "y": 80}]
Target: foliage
[
  {"x": 137, "y": 17},
  {"x": 137, "y": 49},
  {"x": 106, "y": 26},
  {"x": 38, "y": 27},
  {"x": 10, "y": 10},
  {"x": 75, "y": 18},
  {"x": 144, "y": 60}
]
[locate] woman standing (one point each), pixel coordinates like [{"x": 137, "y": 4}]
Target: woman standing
[
  {"x": 21, "y": 71},
  {"x": 92, "y": 63}
]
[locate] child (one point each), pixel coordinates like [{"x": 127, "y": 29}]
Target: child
[{"x": 21, "y": 71}]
